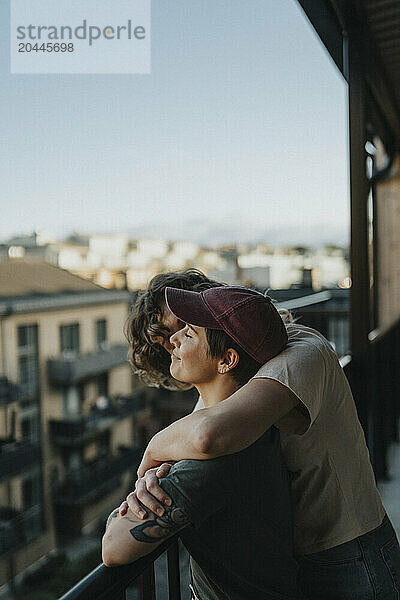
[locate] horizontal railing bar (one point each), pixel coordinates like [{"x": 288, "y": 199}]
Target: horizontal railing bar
[
  {"x": 377, "y": 334},
  {"x": 304, "y": 300},
  {"x": 104, "y": 583},
  {"x": 345, "y": 360}
]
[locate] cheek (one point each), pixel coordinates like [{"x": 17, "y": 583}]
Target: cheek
[{"x": 194, "y": 367}]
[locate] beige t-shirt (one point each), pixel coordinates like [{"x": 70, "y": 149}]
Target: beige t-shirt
[{"x": 335, "y": 498}]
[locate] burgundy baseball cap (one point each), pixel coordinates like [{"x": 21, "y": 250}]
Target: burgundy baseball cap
[{"x": 248, "y": 317}]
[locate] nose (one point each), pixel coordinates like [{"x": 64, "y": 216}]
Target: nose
[{"x": 174, "y": 339}]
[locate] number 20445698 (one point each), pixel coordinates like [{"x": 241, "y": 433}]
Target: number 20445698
[{"x": 49, "y": 47}]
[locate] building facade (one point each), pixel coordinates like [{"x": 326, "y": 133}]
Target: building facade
[{"x": 68, "y": 408}]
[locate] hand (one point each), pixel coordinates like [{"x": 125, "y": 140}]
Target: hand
[
  {"x": 147, "y": 462},
  {"x": 149, "y": 492}
]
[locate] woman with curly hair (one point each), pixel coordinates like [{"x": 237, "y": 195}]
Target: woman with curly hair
[{"x": 344, "y": 542}]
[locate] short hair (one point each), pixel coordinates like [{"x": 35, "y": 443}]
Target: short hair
[
  {"x": 143, "y": 327},
  {"x": 219, "y": 342}
]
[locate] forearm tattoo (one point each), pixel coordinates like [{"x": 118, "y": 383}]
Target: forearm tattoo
[{"x": 159, "y": 528}]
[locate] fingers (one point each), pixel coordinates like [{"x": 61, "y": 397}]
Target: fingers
[
  {"x": 163, "y": 470},
  {"x": 146, "y": 498},
  {"x": 135, "y": 506},
  {"x": 149, "y": 493},
  {"x": 123, "y": 508},
  {"x": 152, "y": 486}
]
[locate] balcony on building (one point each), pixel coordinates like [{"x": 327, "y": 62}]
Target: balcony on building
[
  {"x": 75, "y": 431},
  {"x": 9, "y": 392},
  {"x": 95, "y": 479},
  {"x": 11, "y": 530},
  {"x": 17, "y": 456},
  {"x": 18, "y": 528},
  {"x": 74, "y": 367}
]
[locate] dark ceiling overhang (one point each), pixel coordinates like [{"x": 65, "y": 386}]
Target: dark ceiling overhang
[{"x": 374, "y": 25}]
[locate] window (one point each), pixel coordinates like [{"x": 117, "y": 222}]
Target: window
[
  {"x": 31, "y": 498},
  {"x": 74, "y": 461},
  {"x": 28, "y": 361},
  {"x": 69, "y": 338},
  {"x": 71, "y": 399},
  {"x": 102, "y": 385},
  {"x": 104, "y": 444},
  {"x": 101, "y": 333},
  {"x": 30, "y": 428},
  {"x": 30, "y": 491}
]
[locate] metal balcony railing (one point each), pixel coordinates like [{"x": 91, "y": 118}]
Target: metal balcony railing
[
  {"x": 76, "y": 431},
  {"x": 326, "y": 313},
  {"x": 17, "y": 456},
  {"x": 93, "y": 481},
  {"x": 71, "y": 370},
  {"x": 374, "y": 377},
  {"x": 375, "y": 382},
  {"x": 18, "y": 528},
  {"x": 9, "y": 392},
  {"x": 111, "y": 583}
]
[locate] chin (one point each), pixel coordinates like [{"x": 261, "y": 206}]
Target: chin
[
  {"x": 175, "y": 375},
  {"x": 174, "y": 372}
]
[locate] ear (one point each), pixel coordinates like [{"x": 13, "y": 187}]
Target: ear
[{"x": 229, "y": 362}]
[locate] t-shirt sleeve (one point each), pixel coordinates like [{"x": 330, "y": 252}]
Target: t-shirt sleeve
[
  {"x": 302, "y": 368},
  {"x": 199, "y": 404}
]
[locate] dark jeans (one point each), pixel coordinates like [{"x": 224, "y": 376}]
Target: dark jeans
[{"x": 366, "y": 568}]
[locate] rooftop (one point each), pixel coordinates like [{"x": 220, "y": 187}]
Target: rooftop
[
  {"x": 29, "y": 286},
  {"x": 29, "y": 278}
]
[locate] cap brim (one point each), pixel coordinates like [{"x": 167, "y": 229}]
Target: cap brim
[{"x": 190, "y": 307}]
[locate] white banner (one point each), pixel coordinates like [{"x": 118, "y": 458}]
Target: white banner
[{"x": 80, "y": 36}]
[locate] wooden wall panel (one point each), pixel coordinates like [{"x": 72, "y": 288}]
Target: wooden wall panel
[{"x": 388, "y": 248}]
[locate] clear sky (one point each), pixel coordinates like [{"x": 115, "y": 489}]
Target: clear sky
[{"x": 242, "y": 122}]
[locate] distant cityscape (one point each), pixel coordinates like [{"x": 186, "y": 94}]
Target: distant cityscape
[
  {"x": 119, "y": 261},
  {"x": 74, "y": 419}
]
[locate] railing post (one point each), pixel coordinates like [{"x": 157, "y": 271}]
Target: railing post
[
  {"x": 148, "y": 584},
  {"x": 360, "y": 321},
  {"x": 174, "y": 580}
]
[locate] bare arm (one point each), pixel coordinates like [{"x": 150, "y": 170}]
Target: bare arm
[
  {"x": 225, "y": 428},
  {"x": 151, "y": 487},
  {"x": 128, "y": 538}
]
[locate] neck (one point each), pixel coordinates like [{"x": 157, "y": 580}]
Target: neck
[{"x": 217, "y": 390}]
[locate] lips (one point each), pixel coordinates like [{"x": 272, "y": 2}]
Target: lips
[{"x": 173, "y": 355}]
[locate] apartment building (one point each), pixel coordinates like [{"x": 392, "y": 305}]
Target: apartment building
[{"x": 68, "y": 407}]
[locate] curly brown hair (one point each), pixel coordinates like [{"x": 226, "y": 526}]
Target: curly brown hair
[{"x": 143, "y": 328}]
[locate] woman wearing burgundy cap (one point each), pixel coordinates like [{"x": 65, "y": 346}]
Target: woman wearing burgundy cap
[
  {"x": 344, "y": 542},
  {"x": 238, "y": 530}
]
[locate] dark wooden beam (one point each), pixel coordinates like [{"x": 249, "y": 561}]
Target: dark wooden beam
[{"x": 359, "y": 188}]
